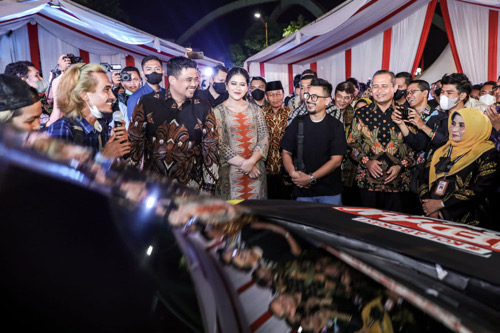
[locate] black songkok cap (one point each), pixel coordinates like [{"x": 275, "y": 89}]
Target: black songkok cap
[
  {"x": 274, "y": 85},
  {"x": 14, "y": 93}
]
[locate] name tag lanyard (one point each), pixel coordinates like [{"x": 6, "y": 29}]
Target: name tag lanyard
[{"x": 442, "y": 185}]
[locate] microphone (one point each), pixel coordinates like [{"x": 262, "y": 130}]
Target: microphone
[{"x": 118, "y": 120}]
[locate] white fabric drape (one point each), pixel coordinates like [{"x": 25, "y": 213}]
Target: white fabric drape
[
  {"x": 51, "y": 48},
  {"x": 94, "y": 58},
  {"x": 76, "y": 39},
  {"x": 470, "y": 31},
  {"x": 366, "y": 58},
  {"x": 14, "y": 47},
  {"x": 349, "y": 30},
  {"x": 275, "y": 72},
  {"x": 404, "y": 41},
  {"x": 11, "y": 10},
  {"x": 108, "y": 27},
  {"x": 114, "y": 59},
  {"x": 332, "y": 69},
  {"x": 254, "y": 69}
]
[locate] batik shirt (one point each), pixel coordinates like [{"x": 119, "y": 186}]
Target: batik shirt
[
  {"x": 276, "y": 125},
  {"x": 176, "y": 141},
  {"x": 348, "y": 166},
  {"x": 373, "y": 135}
]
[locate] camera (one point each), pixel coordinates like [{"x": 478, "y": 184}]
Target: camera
[
  {"x": 111, "y": 67},
  {"x": 404, "y": 111},
  {"x": 125, "y": 76},
  {"x": 73, "y": 59}
]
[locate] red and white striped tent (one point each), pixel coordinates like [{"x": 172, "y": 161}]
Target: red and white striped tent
[
  {"x": 40, "y": 32},
  {"x": 362, "y": 36}
]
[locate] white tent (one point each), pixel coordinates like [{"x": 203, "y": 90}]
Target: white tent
[
  {"x": 40, "y": 32},
  {"x": 362, "y": 36}
]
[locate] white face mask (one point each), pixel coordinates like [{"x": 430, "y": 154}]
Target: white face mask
[
  {"x": 488, "y": 99},
  {"x": 447, "y": 103},
  {"x": 93, "y": 109}
]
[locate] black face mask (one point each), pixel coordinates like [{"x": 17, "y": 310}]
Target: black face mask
[
  {"x": 219, "y": 87},
  {"x": 154, "y": 78},
  {"x": 400, "y": 93},
  {"x": 438, "y": 91},
  {"x": 258, "y": 94}
]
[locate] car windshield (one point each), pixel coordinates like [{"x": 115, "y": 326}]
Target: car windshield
[{"x": 111, "y": 248}]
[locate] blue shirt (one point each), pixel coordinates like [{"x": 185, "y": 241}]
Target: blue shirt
[
  {"x": 134, "y": 98},
  {"x": 64, "y": 129}
]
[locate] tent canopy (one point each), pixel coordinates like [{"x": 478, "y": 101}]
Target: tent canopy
[
  {"x": 360, "y": 37},
  {"x": 36, "y": 31}
]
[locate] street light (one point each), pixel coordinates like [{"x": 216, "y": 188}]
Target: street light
[{"x": 257, "y": 15}]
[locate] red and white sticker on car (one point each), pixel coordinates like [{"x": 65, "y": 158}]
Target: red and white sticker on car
[{"x": 471, "y": 239}]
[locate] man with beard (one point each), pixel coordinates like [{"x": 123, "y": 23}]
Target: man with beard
[
  {"x": 174, "y": 133},
  {"x": 152, "y": 71},
  {"x": 377, "y": 145},
  {"x": 324, "y": 145},
  {"x": 216, "y": 93}
]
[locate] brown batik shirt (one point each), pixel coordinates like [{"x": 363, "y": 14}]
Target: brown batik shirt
[
  {"x": 276, "y": 125},
  {"x": 176, "y": 141}
]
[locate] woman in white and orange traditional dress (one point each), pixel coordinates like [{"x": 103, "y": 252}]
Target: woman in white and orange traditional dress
[{"x": 243, "y": 142}]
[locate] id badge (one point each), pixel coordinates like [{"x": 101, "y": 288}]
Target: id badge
[{"x": 441, "y": 187}]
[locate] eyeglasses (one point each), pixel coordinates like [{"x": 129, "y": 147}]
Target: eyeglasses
[
  {"x": 412, "y": 91},
  {"x": 313, "y": 97}
]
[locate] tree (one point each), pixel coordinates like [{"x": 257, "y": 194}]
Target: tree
[
  {"x": 255, "y": 41},
  {"x": 111, "y": 8},
  {"x": 295, "y": 25}
]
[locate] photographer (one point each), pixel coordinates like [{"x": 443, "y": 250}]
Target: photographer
[
  {"x": 84, "y": 93},
  {"x": 63, "y": 63},
  {"x": 433, "y": 128},
  {"x": 130, "y": 79}
]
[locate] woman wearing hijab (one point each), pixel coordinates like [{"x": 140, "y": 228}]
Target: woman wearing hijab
[{"x": 461, "y": 174}]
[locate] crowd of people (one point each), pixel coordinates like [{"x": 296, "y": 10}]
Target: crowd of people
[{"x": 399, "y": 143}]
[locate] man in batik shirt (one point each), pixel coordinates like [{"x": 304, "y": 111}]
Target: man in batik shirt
[
  {"x": 276, "y": 118},
  {"x": 378, "y": 147},
  {"x": 174, "y": 133}
]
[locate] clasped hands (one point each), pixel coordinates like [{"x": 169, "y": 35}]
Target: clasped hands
[
  {"x": 375, "y": 170},
  {"x": 301, "y": 179},
  {"x": 248, "y": 167}
]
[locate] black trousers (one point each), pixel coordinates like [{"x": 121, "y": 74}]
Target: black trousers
[
  {"x": 382, "y": 200},
  {"x": 276, "y": 189}
]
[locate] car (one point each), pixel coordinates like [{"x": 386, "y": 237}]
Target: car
[{"x": 89, "y": 247}]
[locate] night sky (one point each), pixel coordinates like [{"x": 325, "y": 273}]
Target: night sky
[{"x": 170, "y": 19}]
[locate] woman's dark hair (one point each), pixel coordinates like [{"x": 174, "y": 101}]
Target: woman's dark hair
[{"x": 237, "y": 70}]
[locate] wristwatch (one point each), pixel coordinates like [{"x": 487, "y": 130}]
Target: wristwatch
[{"x": 313, "y": 180}]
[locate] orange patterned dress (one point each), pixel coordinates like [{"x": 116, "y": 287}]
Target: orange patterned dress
[{"x": 241, "y": 133}]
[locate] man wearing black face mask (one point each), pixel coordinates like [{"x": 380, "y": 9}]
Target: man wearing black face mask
[
  {"x": 216, "y": 93},
  {"x": 257, "y": 91},
  {"x": 152, "y": 71},
  {"x": 403, "y": 80}
]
